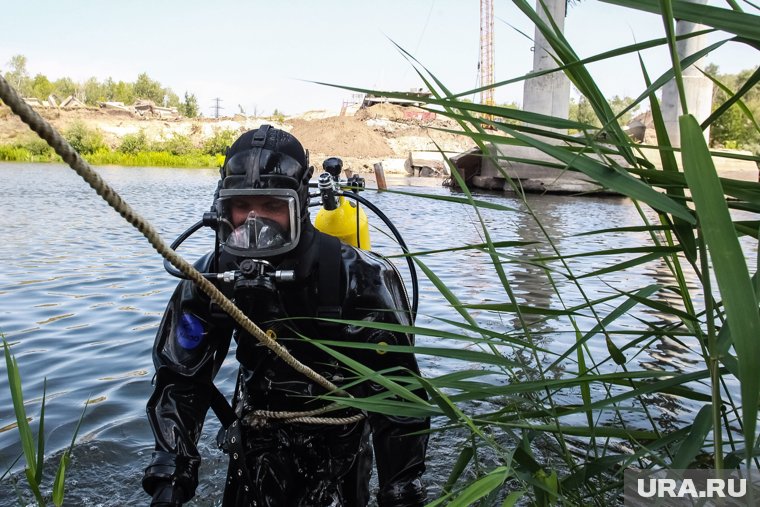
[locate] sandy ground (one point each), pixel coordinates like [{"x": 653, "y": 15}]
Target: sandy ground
[{"x": 379, "y": 134}]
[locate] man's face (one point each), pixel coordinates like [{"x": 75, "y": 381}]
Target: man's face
[{"x": 263, "y": 206}]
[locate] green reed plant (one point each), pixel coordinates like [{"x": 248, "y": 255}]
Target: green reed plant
[
  {"x": 34, "y": 456},
  {"x": 558, "y": 428},
  {"x": 106, "y": 156}
]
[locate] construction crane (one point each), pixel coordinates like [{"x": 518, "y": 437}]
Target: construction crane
[{"x": 486, "y": 51}]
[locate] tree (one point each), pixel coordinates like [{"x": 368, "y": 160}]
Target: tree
[
  {"x": 618, "y": 104},
  {"x": 146, "y": 88},
  {"x": 42, "y": 87},
  {"x": 189, "y": 107},
  {"x": 581, "y": 111},
  {"x": 18, "y": 76},
  {"x": 109, "y": 89},
  {"x": 64, "y": 87},
  {"x": 733, "y": 129},
  {"x": 92, "y": 91},
  {"x": 124, "y": 92},
  {"x": 171, "y": 99}
]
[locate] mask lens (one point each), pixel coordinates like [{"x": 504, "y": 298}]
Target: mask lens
[
  {"x": 258, "y": 233},
  {"x": 259, "y": 223}
]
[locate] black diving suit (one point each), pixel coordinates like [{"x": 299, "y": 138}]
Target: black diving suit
[{"x": 284, "y": 463}]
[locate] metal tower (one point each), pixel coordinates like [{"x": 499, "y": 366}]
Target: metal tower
[{"x": 486, "y": 51}]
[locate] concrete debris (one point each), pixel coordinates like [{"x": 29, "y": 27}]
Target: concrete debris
[{"x": 71, "y": 102}]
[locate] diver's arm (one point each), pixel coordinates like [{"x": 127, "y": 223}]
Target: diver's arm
[
  {"x": 400, "y": 443},
  {"x": 187, "y": 353}
]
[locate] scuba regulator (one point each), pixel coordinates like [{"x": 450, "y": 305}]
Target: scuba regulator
[{"x": 338, "y": 216}]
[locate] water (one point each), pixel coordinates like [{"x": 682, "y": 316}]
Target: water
[{"x": 82, "y": 294}]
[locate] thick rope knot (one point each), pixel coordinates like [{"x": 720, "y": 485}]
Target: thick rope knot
[{"x": 261, "y": 418}]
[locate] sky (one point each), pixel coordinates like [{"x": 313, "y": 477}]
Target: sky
[{"x": 261, "y": 55}]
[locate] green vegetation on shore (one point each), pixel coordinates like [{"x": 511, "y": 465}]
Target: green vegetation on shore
[
  {"x": 134, "y": 149},
  {"x": 106, "y": 156}
]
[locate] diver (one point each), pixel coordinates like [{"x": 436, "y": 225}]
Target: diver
[{"x": 286, "y": 276}]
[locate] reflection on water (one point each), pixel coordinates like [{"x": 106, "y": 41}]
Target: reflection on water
[{"x": 82, "y": 293}]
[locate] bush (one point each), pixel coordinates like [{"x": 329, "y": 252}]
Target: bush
[
  {"x": 38, "y": 148},
  {"x": 134, "y": 143},
  {"x": 218, "y": 143},
  {"x": 176, "y": 145},
  {"x": 83, "y": 139},
  {"x": 14, "y": 154}
]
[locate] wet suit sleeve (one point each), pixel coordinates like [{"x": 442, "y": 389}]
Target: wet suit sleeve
[
  {"x": 189, "y": 349},
  {"x": 399, "y": 452}
]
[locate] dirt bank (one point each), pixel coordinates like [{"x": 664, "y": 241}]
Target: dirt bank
[{"x": 377, "y": 134}]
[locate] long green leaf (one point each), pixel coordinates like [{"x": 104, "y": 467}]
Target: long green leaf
[
  {"x": 25, "y": 432},
  {"x": 459, "y": 467},
  {"x": 730, "y": 267},
  {"x": 457, "y": 200},
  {"x": 474, "y": 356},
  {"x": 609, "y": 178},
  {"x": 440, "y": 399},
  {"x": 481, "y": 487},
  {"x": 605, "y": 55},
  {"x": 372, "y": 375},
  {"x": 41, "y": 437},
  {"x": 512, "y": 498},
  {"x": 682, "y": 229},
  {"x": 620, "y": 266},
  {"x": 580, "y": 77},
  {"x": 30, "y": 480},
  {"x": 621, "y": 310},
  {"x": 478, "y": 246},
  {"x": 59, "y": 483},
  {"x": 693, "y": 443},
  {"x": 734, "y": 98},
  {"x": 738, "y": 23}
]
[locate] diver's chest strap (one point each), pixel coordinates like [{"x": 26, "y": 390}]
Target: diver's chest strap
[
  {"x": 328, "y": 285},
  {"x": 222, "y": 408}
]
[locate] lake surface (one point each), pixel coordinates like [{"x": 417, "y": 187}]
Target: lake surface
[{"x": 82, "y": 294}]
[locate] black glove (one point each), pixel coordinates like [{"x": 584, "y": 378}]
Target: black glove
[
  {"x": 170, "y": 480},
  {"x": 411, "y": 494},
  {"x": 166, "y": 495}
]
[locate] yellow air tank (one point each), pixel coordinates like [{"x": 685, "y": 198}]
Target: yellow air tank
[{"x": 341, "y": 223}]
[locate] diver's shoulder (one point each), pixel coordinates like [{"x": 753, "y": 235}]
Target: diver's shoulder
[
  {"x": 366, "y": 258},
  {"x": 204, "y": 262}
]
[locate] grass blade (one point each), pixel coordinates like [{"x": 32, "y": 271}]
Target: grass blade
[
  {"x": 481, "y": 487},
  {"x": 456, "y": 471},
  {"x": 738, "y": 23},
  {"x": 733, "y": 98},
  {"x": 25, "y": 432},
  {"x": 607, "y": 177},
  {"x": 730, "y": 267},
  {"x": 41, "y": 437},
  {"x": 59, "y": 483},
  {"x": 693, "y": 443}
]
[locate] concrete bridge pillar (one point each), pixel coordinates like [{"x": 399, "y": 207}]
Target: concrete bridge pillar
[
  {"x": 697, "y": 88},
  {"x": 548, "y": 94}
]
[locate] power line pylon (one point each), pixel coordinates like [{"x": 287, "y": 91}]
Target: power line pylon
[{"x": 217, "y": 107}]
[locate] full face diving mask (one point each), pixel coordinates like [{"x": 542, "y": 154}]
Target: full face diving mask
[{"x": 258, "y": 223}]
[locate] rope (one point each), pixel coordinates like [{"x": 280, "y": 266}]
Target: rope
[
  {"x": 258, "y": 418},
  {"x": 83, "y": 169}
]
